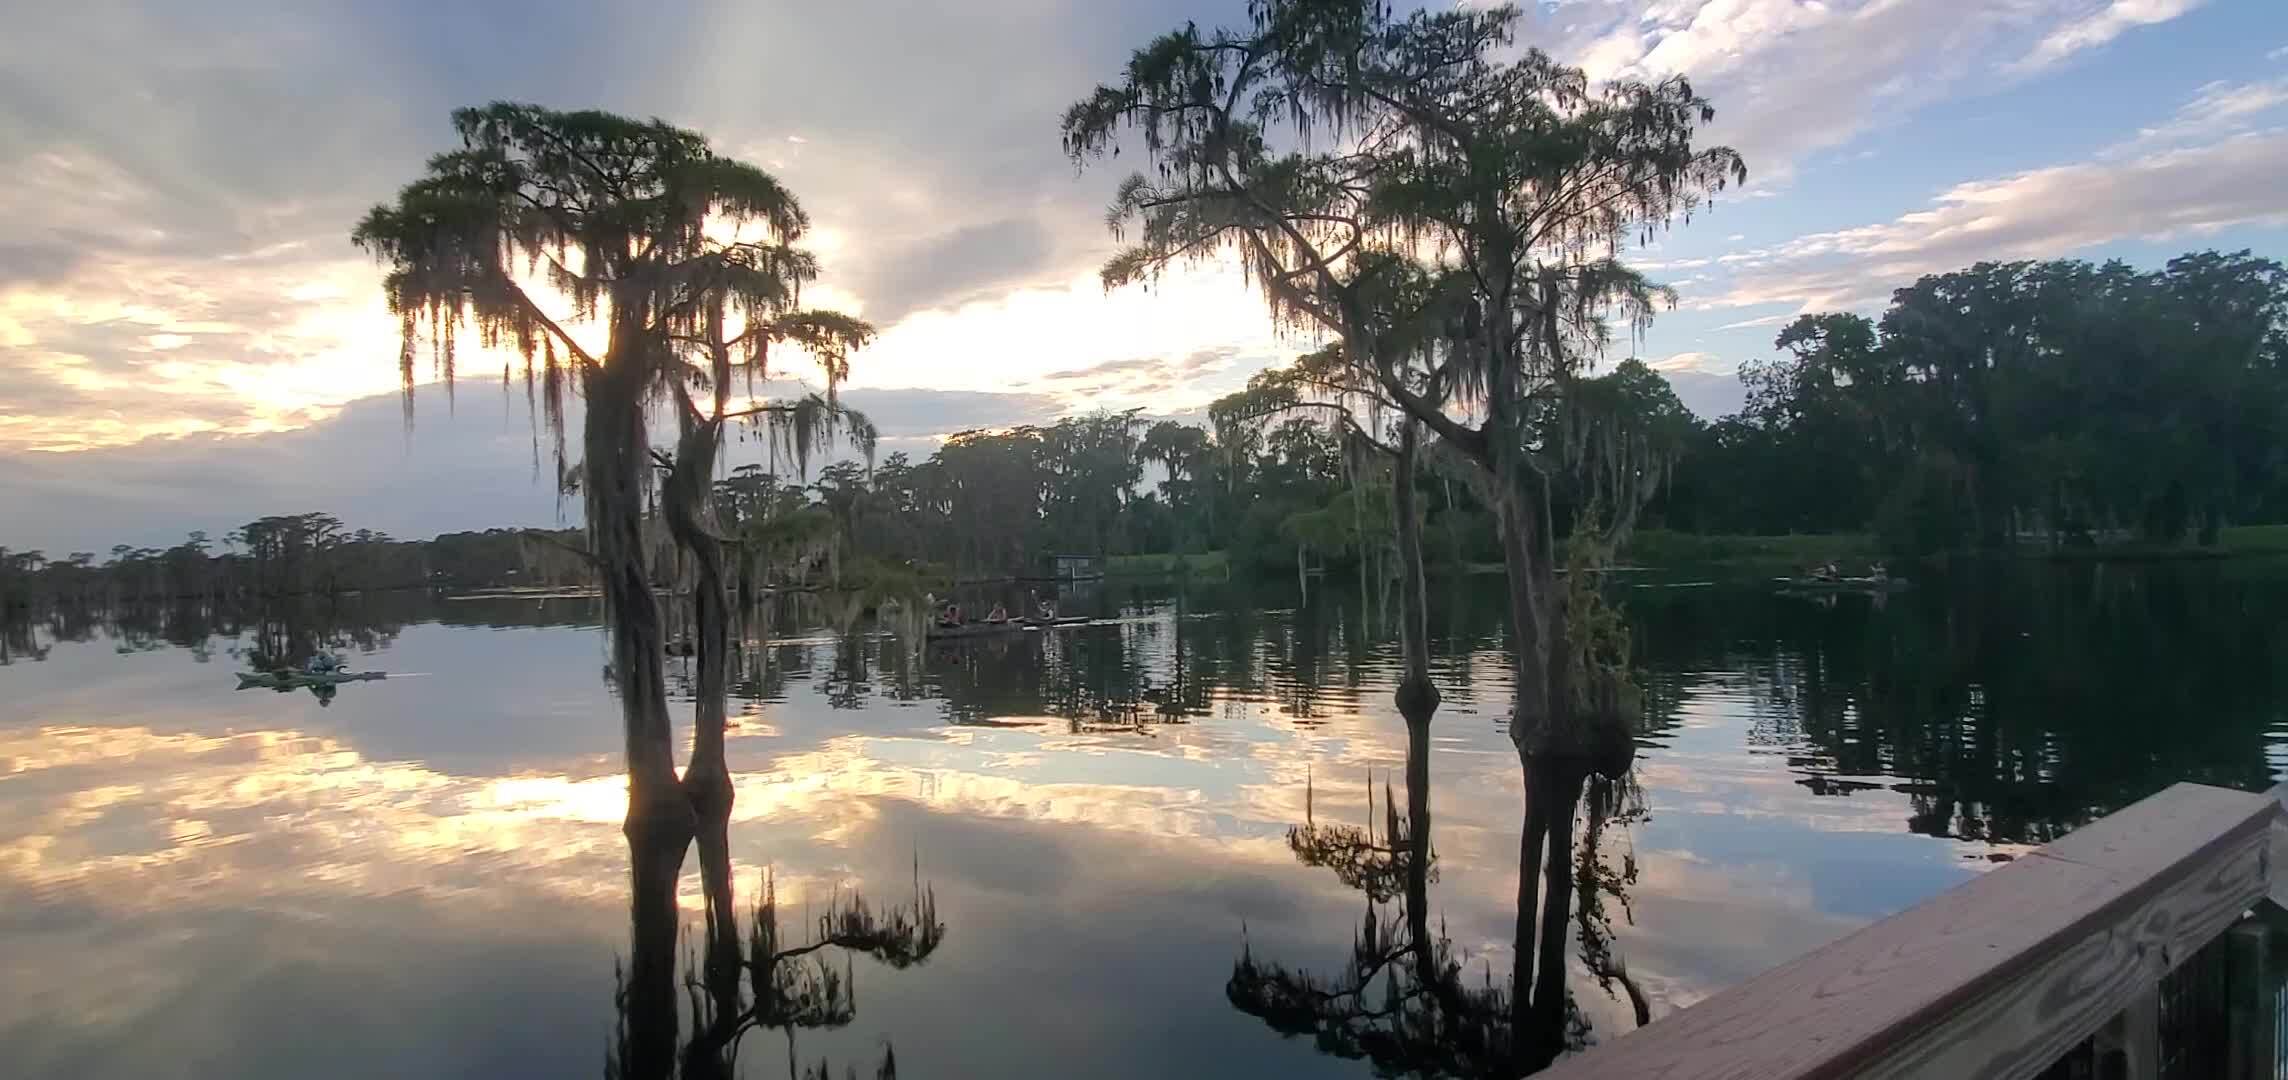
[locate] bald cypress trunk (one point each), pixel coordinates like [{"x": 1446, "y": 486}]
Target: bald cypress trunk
[
  {"x": 1531, "y": 581},
  {"x": 707, "y": 781},
  {"x": 1417, "y": 696},
  {"x": 1541, "y": 1041},
  {"x": 656, "y": 846},
  {"x": 684, "y": 506},
  {"x": 617, "y": 454},
  {"x": 709, "y": 1056},
  {"x": 659, "y": 821},
  {"x": 1417, "y": 700},
  {"x": 1531, "y": 834}
]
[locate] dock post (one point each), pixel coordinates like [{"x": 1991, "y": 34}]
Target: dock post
[
  {"x": 2255, "y": 946},
  {"x": 2129, "y": 1047}
]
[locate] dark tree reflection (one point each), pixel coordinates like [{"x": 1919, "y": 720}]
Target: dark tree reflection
[
  {"x": 264, "y": 635},
  {"x": 1405, "y": 1001},
  {"x": 2009, "y": 703},
  {"x": 24, "y": 638},
  {"x": 759, "y": 978},
  {"x": 738, "y": 981}
]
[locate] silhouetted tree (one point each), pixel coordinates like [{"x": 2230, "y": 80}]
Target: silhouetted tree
[{"x": 688, "y": 261}]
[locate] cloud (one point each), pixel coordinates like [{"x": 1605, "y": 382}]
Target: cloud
[
  {"x": 1034, "y": 334},
  {"x": 1791, "y": 77},
  {"x": 937, "y": 413},
  {"x": 132, "y": 344},
  {"x": 1706, "y": 383},
  {"x": 1787, "y": 77},
  {"x": 2043, "y": 213},
  {"x": 1109, "y": 367},
  {"x": 1690, "y": 361},
  {"x": 1709, "y": 394},
  {"x": 40, "y": 260},
  {"x": 204, "y": 188},
  {"x": 2216, "y": 109},
  {"x": 955, "y": 266},
  {"x": 2097, "y": 28},
  {"x": 1767, "y": 320},
  {"x": 1140, "y": 376}
]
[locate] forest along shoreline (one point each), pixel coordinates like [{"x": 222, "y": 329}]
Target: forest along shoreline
[
  {"x": 1458, "y": 270},
  {"x": 327, "y": 559}
]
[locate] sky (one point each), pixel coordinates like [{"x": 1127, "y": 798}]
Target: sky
[{"x": 188, "y": 339}]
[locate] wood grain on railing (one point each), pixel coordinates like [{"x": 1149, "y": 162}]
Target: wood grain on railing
[{"x": 1994, "y": 979}]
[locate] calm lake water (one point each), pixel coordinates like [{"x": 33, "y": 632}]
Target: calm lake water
[{"x": 425, "y": 876}]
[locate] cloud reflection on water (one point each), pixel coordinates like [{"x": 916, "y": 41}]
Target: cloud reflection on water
[{"x": 456, "y": 837}]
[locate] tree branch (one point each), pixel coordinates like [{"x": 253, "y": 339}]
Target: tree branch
[
  {"x": 1467, "y": 439},
  {"x": 533, "y": 310},
  {"x": 758, "y": 411},
  {"x": 1350, "y": 420}
]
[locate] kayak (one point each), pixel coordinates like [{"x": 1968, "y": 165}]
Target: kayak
[
  {"x": 288, "y": 680},
  {"x": 1849, "y": 584},
  {"x": 981, "y": 629}
]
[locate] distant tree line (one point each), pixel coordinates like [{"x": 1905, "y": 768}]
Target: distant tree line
[
  {"x": 999, "y": 501},
  {"x": 288, "y": 555},
  {"x": 2056, "y": 403},
  {"x": 1266, "y": 479},
  {"x": 2053, "y": 404}
]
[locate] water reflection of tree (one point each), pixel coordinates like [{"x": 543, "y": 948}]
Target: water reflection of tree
[
  {"x": 847, "y": 684},
  {"x": 761, "y": 980},
  {"x": 2008, "y": 703},
  {"x": 287, "y": 635},
  {"x": 23, "y": 637},
  {"x": 1404, "y": 1001},
  {"x": 1171, "y": 667},
  {"x": 764, "y": 980},
  {"x": 265, "y": 634}
]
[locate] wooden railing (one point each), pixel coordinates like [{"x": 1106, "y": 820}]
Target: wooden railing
[{"x": 2069, "y": 950}]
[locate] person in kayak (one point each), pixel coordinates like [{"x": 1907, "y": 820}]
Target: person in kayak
[
  {"x": 999, "y": 614},
  {"x": 323, "y": 663}
]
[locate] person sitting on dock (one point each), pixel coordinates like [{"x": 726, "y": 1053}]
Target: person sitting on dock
[
  {"x": 951, "y": 616},
  {"x": 999, "y": 614}
]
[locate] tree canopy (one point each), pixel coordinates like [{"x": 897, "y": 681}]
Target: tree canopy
[
  {"x": 2055, "y": 403},
  {"x": 1459, "y": 240},
  {"x": 690, "y": 263}
]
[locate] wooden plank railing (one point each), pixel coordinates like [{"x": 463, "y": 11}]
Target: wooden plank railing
[{"x": 1999, "y": 977}]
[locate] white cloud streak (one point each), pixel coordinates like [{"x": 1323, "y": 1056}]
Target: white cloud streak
[
  {"x": 2042, "y": 213},
  {"x": 2217, "y": 108},
  {"x": 1704, "y": 363},
  {"x": 1768, "y": 320},
  {"x": 1793, "y": 77},
  {"x": 2100, "y": 27}
]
